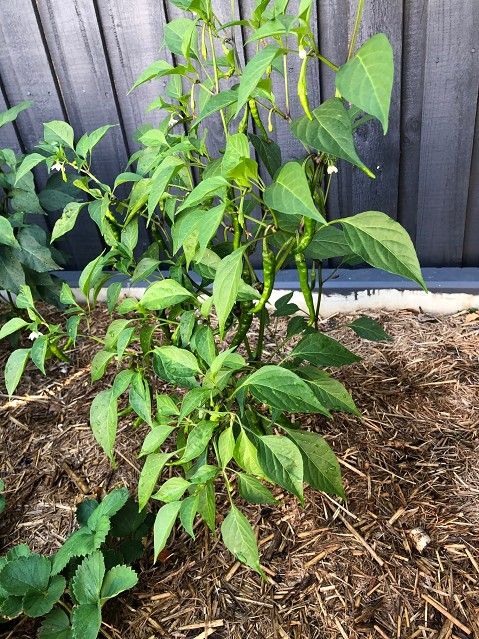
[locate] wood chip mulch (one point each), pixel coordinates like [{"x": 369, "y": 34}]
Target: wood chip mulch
[{"x": 399, "y": 560}]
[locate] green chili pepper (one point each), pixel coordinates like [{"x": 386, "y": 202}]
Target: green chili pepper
[
  {"x": 307, "y": 236},
  {"x": 256, "y": 118},
  {"x": 304, "y": 284},
  {"x": 303, "y": 89},
  {"x": 243, "y": 125},
  {"x": 244, "y": 322},
  {"x": 236, "y": 230},
  {"x": 269, "y": 271}
]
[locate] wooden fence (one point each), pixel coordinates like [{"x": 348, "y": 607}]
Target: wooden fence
[{"x": 76, "y": 59}]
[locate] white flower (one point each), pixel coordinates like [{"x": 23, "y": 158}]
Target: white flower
[
  {"x": 58, "y": 166},
  {"x": 33, "y": 335},
  {"x": 331, "y": 169},
  {"x": 172, "y": 121},
  {"x": 302, "y": 53}
]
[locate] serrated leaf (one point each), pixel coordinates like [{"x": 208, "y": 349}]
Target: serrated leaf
[
  {"x": 254, "y": 491},
  {"x": 367, "y": 328},
  {"x": 282, "y": 389},
  {"x": 117, "y": 580},
  {"x": 253, "y": 72},
  {"x": 281, "y": 461},
  {"x": 164, "y": 522},
  {"x": 290, "y": 194},
  {"x": 330, "y": 131},
  {"x": 112, "y": 503},
  {"x": 86, "y": 583},
  {"x": 321, "y": 468},
  {"x": 86, "y": 621},
  {"x": 367, "y": 79},
  {"x": 14, "y": 368},
  {"x": 26, "y": 573},
  {"x": 238, "y": 536},
  {"x": 321, "y": 350},
  {"x": 82, "y": 542},
  {"x": 383, "y": 243},
  {"x": 104, "y": 420},
  {"x": 56, "y": 625},
  {"x": 38, "y": 603},
  {"x": 163, "y": 294}
]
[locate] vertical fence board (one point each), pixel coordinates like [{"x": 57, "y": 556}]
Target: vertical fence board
[
  {"x": 451, "y": 80},
  {"x": 471, "y": 236}
]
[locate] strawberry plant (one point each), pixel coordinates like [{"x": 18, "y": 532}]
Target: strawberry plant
[
  {"x": 70, "y": 588},
  {"x": 189, "y": 356}
]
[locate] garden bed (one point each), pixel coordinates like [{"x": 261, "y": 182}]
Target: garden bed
[{"x": 353, "y": 570}]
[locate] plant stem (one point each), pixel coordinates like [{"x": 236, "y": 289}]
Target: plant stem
[
  {"x": 217, "y": 81},
  {"x": 286, "y": 84},
  {"x": 262, "y": 326},
  {"x": 357, "y": 24}
]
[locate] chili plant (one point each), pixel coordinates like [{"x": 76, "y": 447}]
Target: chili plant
[{"x": 189, "y": 365}]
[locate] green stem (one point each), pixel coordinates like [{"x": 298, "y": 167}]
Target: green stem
[
  {"x": 357, "y": 24},
  {"x": 286, "y": 83},
  {"x": 260, "y": 343}
]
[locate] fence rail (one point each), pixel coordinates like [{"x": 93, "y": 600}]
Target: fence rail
[{"x": 76, "y": 60}]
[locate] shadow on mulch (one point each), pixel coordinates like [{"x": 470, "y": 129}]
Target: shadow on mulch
[{"x": 334, "y": 571}]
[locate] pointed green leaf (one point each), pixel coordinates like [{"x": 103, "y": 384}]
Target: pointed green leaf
[
  {"x": 162, "y": 294},
  {"x": 329, "y": 391},
  {"x": 205, "y": 190},
  {"x": 11, "y": 114},
  {"x": 254, "y": 491},
  {"x": 149, "y": 475},
  {"x": 290, "y": 194},
  {"x": 104, "y": 420},
  {"x": 29, "y": 162},
  {"x": 68, "y": 219},
  {"x": 215, "y": 103},
  {"x": 321, "y": 350},
  {"x": 268, "y": 152},
  {"x": 26, "y": 573},
  {"x": 38, "y": 352},
  {"x": 188, "y": 510},
  {"x": 238, "y": 536},
  {"x": 367, "y": 79},
  {"x": 6, "y": 233},
  {"x": 282, "y": 462},
  {"x": 253, "y": 72},
  {"x": 58, "y": 131},
  {"x": 86, "y": 583},
  {"x": 12, "y": 326},
  {"x": 198, "y": 440},
  {"x": 226, "y": 285},
  {"x": 164, "y": 522},
  {"x": 367, "y": 328},
  {"x": 14, "y": 368}
]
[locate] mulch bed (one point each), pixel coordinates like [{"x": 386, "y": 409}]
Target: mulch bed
[{"x": 334, "y": 570}]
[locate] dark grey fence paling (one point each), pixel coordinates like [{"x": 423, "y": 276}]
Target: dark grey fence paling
[{"x": 76, "y": 60}]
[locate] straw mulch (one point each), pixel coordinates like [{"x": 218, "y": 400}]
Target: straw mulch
[{"x": 334, "y": 571}]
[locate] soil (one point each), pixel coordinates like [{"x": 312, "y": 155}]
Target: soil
[{"x": 352, "y": 570}]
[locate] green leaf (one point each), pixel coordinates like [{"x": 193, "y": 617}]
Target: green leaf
[
  {"x": 12, "y": 326},
  {"x": 163, "y": 294},
  {"x": 164, "y": 522},
  {"x": 207, "y": 505},
  {"x": 321, "y": 350},
  {"x": 33, "y": 253},
  {"x": 158, "y": 69},
  {"x": 328, "y": 242},
  {"x": 145, "y": 267},
  {"x": 68, "y": 219},
  {"x": 178, "y": 36},
  {"x": 149, "y": 475},
  {"x": 6, "y": 233},
  {"x": 268, "y": 152},
  {"x": 38, "y": 352},
  {"x": 109, "y": 506},
  {"x": 246, "y": 455},
  {"x": 155, "y": 439},
  {"x": 58, "y": 131},
  {"x": 367, "y": 328},
  {"x": 14, "y": 368},
  {"x": 215, "y": 103},
  {"x": 160, "y": 180},
  {"x": 11, "y": 114},
  {"x": 198, "y": 440},
  {"x": 289, "y": 193},
  {"x": 172, "y": 490},
  {"x": 12, "y": 276},
  {"x": 104, "y": 420},
  {"x": 82, "y": 542},
  {"x": 204, "y": 344},
  {"x": 205, "y": 190},
  {"x": 140, "y": 398},
  {"x": 29, "y": 162},
  {"x": 188, "y": 510},
  {"x": 26, "y": 573},
  {"x": 38, "y": 603},
  {"x": 226, "y": 285},
  {"x": 238, "y": 536},
  {"x": 330, "y": 131},
  {"x": 56, "y": 625},
  {"x": 367, "y": 79},
  {"x": 89, "y": 140},
  {"x": 329, "y": 391},
  {"x": 282, "y": 462},
  {"x": 175, "y": 364},
  {"x": 226, "y": 446},
  {"x": 25, "y": 298},
  {"x": 99, "y": 363},
  {"x": 86, "y": 583},
  {"x": 383, "y": 243},
  {"x": 254, "y": 491},
  {"x": 193, "y": 399},
  {"x": 117, "y": 580},
  {"x": 199, "y": 223},
  {"x": 321, "y": 468},
  {"x": 86, "y": 621},
  {"x": 282, "y": 389},
  {"x": 253, "y": 72}
]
